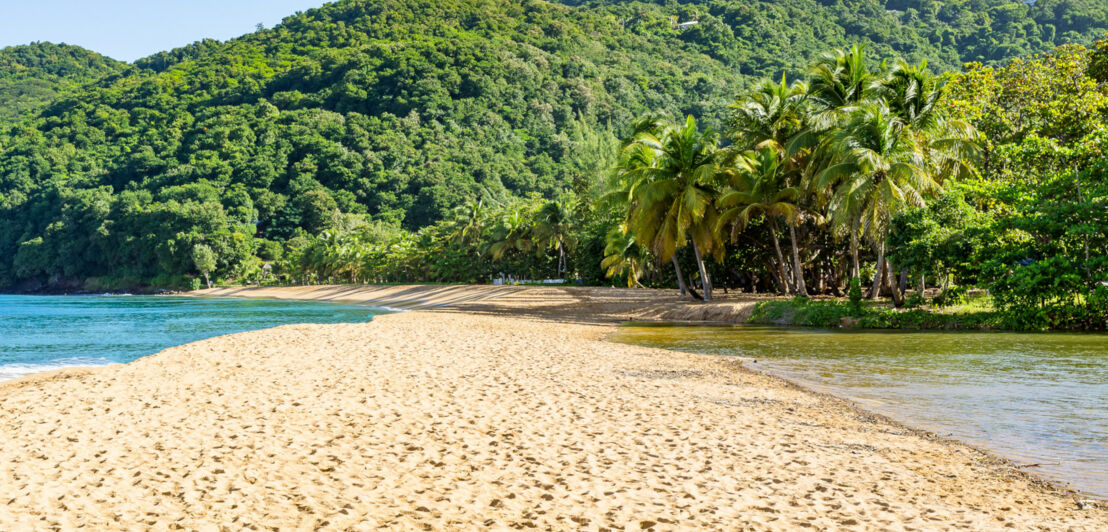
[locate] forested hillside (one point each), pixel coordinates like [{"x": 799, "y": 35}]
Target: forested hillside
[
  {"x": 398, "y": 111},
  {"x": 34, "y": 75},
  {"x": 763, "y": 37},
  {"x": 978, "y": 199}
]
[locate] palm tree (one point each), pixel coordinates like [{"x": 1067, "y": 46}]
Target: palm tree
[
  {"x": 326, "y": 256},
  {"x": 880, "y": 169},
  {"x": 757, "y": 189},
  {"x": 624, "y": 256},
  {"x": 779, "y": 117},
  {"x": 512, "y": 233},
  {"x": 625, "y": 180},
  {"x": 340, "y": 253},
  {"x": 839, "y": 81},
  {"x": 554, "y": 228},
  {"x": 770, "y": 116},
  {"x": 846, "y": 221},
  {"x": 672, "y": 199},
  {"x": 469, "y": 222},
  {"x": 396, "y": 251},
  {"x": 912, "y": 94}
]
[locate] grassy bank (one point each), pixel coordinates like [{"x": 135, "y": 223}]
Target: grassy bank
[{"x": 805, "y": 312}]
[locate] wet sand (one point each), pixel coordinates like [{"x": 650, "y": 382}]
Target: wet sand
[{"x": 498, "y": 408}]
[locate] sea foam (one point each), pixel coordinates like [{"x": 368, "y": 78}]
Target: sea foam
[{"x": 17, "y": 370}]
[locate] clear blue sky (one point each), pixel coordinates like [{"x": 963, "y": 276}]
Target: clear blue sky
[{"x": 131, "y": 29}]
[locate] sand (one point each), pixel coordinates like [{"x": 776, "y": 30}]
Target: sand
[
  {"x": 457, "y": 419},
  {"x": 555, "y": 303}
]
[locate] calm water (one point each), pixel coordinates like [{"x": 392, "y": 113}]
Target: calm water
[
  {"x": 39, "y": 333},
  {"x": 1035, "y": 398}
]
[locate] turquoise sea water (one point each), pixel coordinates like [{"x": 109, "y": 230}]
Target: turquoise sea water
[
  {"x": 41, "y": 333},
  {"x": 1039, "y": 399}
]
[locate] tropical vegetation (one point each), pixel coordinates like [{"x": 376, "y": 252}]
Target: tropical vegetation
[
  {"x": 598, "y": 142},
  {"x": 924, "y": 187},
  {"x": 33, "y": 76}
]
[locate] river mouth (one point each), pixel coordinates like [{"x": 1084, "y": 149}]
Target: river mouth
[{"x": 1040, "y": 400}]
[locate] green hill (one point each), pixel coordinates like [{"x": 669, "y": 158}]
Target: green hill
[
  {"x": 34, "y": 75},
  {"x": 403, "y": 109},
  {"x": 764, "y": 37}
]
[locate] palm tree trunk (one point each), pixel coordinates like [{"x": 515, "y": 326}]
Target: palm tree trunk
[
  {"x": 898, "y": 296},
  {"x": 879, "y": 276},
  {"x": 680, "y": 276},
  {"x": 856, "y": 269},
  {"x": 798, "y": 269},
  {"x": 707, "y": 281},
  {"x": 836, "y": 277},
  {"x": 790, "y": 279},
  {"x": 565, "y": 259},
  {"x": 780, "y": 257},
  {"x": 561, "y": 259},
  {"x": 775, "y": 275}
]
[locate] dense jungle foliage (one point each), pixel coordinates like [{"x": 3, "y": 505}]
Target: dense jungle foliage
[
  {"x": 766, "y": 37},
  {"x": 921, "y": 187},
  {"x": 459, "y": 141},
  {"x": 34, "y": 75}
]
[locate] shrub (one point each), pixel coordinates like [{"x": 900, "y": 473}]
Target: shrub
[
  {"x": 915, "y": 300},
  {"x": 953, "y": 295},
  {"x": 855, "y": 297},
  {"x": 800, "y": 311}
]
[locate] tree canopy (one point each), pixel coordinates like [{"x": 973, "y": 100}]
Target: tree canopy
[
  {"x": 34, "y": 75},
  {"x": 396, "y": 112}
]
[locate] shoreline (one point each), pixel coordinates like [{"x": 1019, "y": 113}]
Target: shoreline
[
  {"x": 847, "y": 403},
  {"x": 596, "y": 432},
  {"x": 357, "y": 294}
]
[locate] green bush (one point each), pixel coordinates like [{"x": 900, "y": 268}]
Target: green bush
[
  {"x": 856, "y": 297},
  {"x": 915, "y": 300},
  {"x": 801, "y": 311},
  {"x": 923, "y": 319},
  {"x": 772, "y": 312},
  {"x": 953, "y": 295}
]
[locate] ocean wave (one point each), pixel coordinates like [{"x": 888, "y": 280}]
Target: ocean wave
[
  {"x": 390, "y": 309},
  {"x": 16, "y": 370}
]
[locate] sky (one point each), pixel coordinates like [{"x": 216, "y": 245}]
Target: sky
[{"x": 131, "y": 29}]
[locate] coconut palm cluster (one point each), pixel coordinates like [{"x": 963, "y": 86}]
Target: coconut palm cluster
[{"x": 818, "y": 162}]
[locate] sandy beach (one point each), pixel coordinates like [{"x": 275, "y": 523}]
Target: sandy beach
[{"x": 483, "y": 408}]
